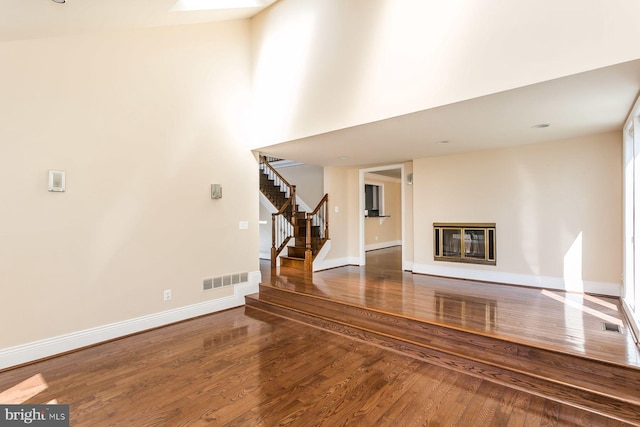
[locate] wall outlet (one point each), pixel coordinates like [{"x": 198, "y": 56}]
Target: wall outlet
[{"x": 166, "y": 294}]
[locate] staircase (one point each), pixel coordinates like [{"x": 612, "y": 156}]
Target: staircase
[{"x": 308, "y": 230}]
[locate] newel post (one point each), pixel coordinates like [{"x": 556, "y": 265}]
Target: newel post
[{"x": 273, "y": 241}]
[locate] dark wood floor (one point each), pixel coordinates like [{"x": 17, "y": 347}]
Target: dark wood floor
[{"x": 249, "y": 368}]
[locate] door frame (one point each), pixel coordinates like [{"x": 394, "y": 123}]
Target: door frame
[
  {"x": 631, "y": 221},
  {"x": 361, "y": 205}
]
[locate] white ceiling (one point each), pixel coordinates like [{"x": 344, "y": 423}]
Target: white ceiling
[
  {"x": 588, "y": 103},
  {"x": 27, "y": 19}
]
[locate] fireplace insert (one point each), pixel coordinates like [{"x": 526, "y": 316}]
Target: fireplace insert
[{"x": 465, "y": 242}]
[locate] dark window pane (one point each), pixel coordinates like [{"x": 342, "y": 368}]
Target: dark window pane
[{"x": 491, "y": 246}]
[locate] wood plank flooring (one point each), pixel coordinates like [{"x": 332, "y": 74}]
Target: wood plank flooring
[
  {"x": 244, "y": 367},
  {"x": 235, "y": 369},
  {"x": 550, "y": 319}
]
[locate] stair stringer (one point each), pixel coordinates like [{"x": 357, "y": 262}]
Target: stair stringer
[
  {"x": 318, "y": 261},
  {"x": 272, "y": 209}
]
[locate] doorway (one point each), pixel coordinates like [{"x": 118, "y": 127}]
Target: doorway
[{"x": 382, "y": 209}]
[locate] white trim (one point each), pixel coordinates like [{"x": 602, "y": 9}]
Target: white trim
[
  {"x": 382, "y": 245},
  {"x": 284, "y": 163},
  {"x": 546, "y": 282},
  {"x": 361, "y": 218},
  {"x": 634, "y": 323},
  {"x": 318, "y": 261},
  {"x": 630, "y": 191},
  {"x": 48, "y": 347},
  {"x": 336, "y": 262},
  {"x": 374, "y": 178},
  {"x": 407, "y": 265},
  {"x": 267, "y": 203}
]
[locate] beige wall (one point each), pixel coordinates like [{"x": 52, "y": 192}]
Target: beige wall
[
  {"x": 553, "y": 204},
  {"x": 385, "y": 232},
  {"x": 407, "y": 218},
  {"x": 142, "y": 122},
  {"x": 342, "y": 186},
  {"x": 309, "y": 182},
  {"x": 325, "y": 65}
]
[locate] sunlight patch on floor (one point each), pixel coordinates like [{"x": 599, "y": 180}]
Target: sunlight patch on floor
[
  {"x": 24, "y": 391},
  {"x": 581, "y": 307}
]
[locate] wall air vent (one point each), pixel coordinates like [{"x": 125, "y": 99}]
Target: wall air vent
[
  {"x": 227, "y": 280},
  {"x": 611, "y": 327}
]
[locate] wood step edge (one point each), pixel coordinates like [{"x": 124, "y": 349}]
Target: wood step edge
[
  {"x": 510, "y": 340},
  {"x": 489, "y": 350},
  {"x": 489, "y": 353},
  {"x": 585, "y": 399}
]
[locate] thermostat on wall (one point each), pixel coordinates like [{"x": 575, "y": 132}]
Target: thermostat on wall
[{"x": 56, "y": 180}]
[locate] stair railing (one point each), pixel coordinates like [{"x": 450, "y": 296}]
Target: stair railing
[
  {"x": 279, "y": 183},
  {"x": 317, "y": 232},
  {"x": 281, "y": 232},
  {"x": 284, "y": 221}
]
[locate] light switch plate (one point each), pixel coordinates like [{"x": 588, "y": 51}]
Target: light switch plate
[
  {"x": 243, "y": 225},
  {"x": 56, "y": 181},
  {"x": 216, "y": 191}
]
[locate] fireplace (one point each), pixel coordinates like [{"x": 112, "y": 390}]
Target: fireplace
[{"x": 465, "y": 242}]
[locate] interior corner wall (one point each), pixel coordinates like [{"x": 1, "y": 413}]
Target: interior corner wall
[
  {"x": 320, "y": 66},
  {"x": 309, "y": 182},
  {"x": 557, "y": 208},
  {"x": 142, "y": 122}
]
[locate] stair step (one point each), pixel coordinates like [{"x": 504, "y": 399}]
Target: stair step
[
  {"x": 287, "y": 261},
  {"x": 602, "y": 387},
  {"x": 296, "y": 251}
]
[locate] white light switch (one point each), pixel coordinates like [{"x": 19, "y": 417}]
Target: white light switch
[
  {"x": 216, "y": 191},
  {"x": 244, "y": 225},
  {"x": 56, "y": 181},
  {"x": 336, "y": 209}
]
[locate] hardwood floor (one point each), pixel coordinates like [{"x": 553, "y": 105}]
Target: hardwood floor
[
  {"x": 244, "y": 367},
  {"x": 550, "y": 319}
]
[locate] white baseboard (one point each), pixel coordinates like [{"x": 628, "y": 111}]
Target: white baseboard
[
  {"x": 25, "y": 353},
  {"x": 382, "y": 245},
  {"x": 336, "y": 262},
  {"x": 601, "y": 288},
  {"x": 407, "y": 265}
]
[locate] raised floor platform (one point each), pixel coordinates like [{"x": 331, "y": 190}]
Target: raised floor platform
[{"x": 547, "y": 343}]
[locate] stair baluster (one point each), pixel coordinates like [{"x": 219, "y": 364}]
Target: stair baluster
[{"x": 309, "y": 230}]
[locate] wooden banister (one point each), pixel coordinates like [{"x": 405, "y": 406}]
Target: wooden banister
[
  {"x": 264, "y": 161},
  {"x": 319, "y": 218},
  {"x": 283, "y": 221}
]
